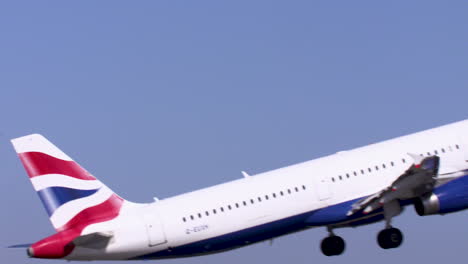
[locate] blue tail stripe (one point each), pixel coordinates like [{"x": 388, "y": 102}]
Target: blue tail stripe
[{"x": 54, "y": 197}]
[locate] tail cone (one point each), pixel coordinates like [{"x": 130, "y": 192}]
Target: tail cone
[{"x": 30, "y": 252}]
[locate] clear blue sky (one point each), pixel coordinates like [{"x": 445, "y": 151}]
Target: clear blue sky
[{"x": 158, "y": 98}]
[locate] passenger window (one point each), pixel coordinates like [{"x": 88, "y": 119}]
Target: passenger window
[
  {"x": 214, "y": 211},
  {"x": 404, "y": 161},
  {"x": 191, "y": 217},
  {"x": 295, "y": 188},
  {"x": 281, "y": 192},
  {"x": 259, "y": 199},
  {"x": 383, "y": 166},
  {"x": 457, "y": 146},
  {"x": 207, "y": 214},
  {"x": 199, "y": 215},
  {"x": 303, "y": 187},
  {"x": 333, "y": 179},
  {"x": 428, "y": 154},
  {"x": 266, "y": 197},
  {"x": 369, "y": 169},
  {"x": 341, "y": 178},
  {"x": 355, "y": 174},
  {"x": 251, "y": 201},
  {"x": 391, "y": 163},
  {"x": 443, "y": 150},
  {"x": 184, "y": 219},
  {"x": 222, "y": 209},
  {"x": 347, "y": 175},
  {"x": 362, "y": 171},
  {"x": 245, "y": 204},
  {"x": 274, "y": 195},
  {"x": 229, "y": 207},
  {"x": 376, "y": 167},
  {"x": 289, "y": 191},
  {"x": 436, "y": 152}
]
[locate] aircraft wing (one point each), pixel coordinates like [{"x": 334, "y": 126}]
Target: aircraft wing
[
  {"x": 419, "y": 179},
  {"x": 95, "y": 240}
]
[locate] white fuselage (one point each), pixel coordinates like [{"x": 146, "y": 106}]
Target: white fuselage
[{"x": 226, "y": 216}]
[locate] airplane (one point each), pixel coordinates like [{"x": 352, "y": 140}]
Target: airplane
[{"x": 427, "y": 170}]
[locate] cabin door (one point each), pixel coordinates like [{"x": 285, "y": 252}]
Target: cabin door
[{"x": 154, "y": 229}]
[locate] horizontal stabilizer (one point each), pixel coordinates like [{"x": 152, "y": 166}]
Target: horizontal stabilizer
[
  {"x": 97, "y": 240},
  {"x": 20, "y": 246}
]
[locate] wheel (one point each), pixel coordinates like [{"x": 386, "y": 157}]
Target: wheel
[
  {"x": 390, "y": 238},
  {"x": 332, "y": 246}
]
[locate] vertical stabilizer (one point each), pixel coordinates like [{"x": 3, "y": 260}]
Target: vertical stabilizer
[{"x": 71, "y": 196}]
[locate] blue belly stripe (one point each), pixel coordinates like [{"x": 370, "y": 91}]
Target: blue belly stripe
[{"x": 331, "y": 215}]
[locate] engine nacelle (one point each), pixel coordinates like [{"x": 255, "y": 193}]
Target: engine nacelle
[
  {"x": 427, "y": 205},
  {"x": 448, "y": 198}
]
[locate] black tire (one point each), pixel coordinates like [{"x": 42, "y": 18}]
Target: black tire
[
  {"x": 382, "y": 239},
  {"x": 332, "y": 246},
  {"x": 390, "y": 238}
]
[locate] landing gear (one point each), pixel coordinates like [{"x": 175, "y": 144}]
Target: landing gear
[
  {"x": 332, "y": 245},
  {"x": 390, "y": 238}
]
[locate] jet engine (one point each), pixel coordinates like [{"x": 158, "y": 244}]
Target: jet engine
[{"x": 448, "y": 198}]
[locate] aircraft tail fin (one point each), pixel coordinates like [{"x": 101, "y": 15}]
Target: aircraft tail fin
[{"x": 71, "y": 196}]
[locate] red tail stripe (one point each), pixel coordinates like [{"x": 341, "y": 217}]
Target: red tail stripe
[
  {"x": 99, "y": 213},
  {"x": 38, "y": 163},
  {"x": 59, "y": 246}
]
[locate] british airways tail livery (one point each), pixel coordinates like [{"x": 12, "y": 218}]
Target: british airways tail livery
[{"x": 427, "y": 170}]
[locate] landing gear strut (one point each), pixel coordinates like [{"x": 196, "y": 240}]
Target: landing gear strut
[
  {"x": 390, "y": 237},
  {"x": 332, "y": 245}
]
